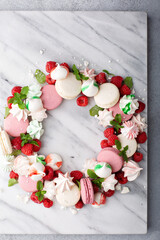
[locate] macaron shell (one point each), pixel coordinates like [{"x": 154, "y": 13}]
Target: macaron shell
[
  {"x": 107, "y": 96},
  {"x": 27, "y": 184},
  {"x": 87, "y": 193},
  {"x": 116, "y": 110},
  {"x": 68, "y": 198},
  {"x": 14, "y": 127},
  {"x": 5, "y": 143},
  {"x": 132, "y": 144},
  {"x": 111, "y": 156},
  {"x": 90, "y": 191},
  {"x": 68, "y": 88},
  {"x": 50, "y": 98}
]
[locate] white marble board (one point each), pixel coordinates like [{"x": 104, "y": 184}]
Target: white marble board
[{"x": 116, "y": 41}]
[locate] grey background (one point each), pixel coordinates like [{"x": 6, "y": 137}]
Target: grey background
[{"x": 152, "y": 7}]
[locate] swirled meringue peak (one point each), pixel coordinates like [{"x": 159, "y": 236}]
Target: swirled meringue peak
[
  {"x": 63, "y": 182},
  {"x": 140, "y": 122},
  {"x": 90, "y": 88},
  {"x": 105, "y": 117},
  {"x": 59, "y": 73},
  {"x": 35, "y": 129},
  {"x": 131, "y": 170},
  {"x": 36, "y": 171},
  {"x": 89, "y": 164},
  {"x": 20, "y": 114},
  {"x": 103, "y": 170},
  {"x": 90, "y": 73},
  {"x": 128, "y": 104},
  {"x": 109, "y": 183},
  {"x": 34, "y": 91},
  {"x": 130, "y": 130}
]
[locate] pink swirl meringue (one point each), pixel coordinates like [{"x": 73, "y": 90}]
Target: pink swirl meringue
[
  {"x": 130, "y": 130},
  {"x": 89, "y": 164},
  {"x": 131, "y": 170},
  {"x": 39, "y": 116},
  {"x": 89, "y": 73},
  {"x": 63, "y": 182},
  {"x": 36, "y": 171},
  {"x": 140, "y": 122},
  {"x": 21, "y": 165}
]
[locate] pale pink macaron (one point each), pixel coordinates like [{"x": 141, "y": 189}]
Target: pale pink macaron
[
  {"x": 111, "y": 156},
  {"x": 87, "y": 193},
  {"x": 27, "y": 184},
  {"x": 14, "y": 127},
  {"x": 116, "y": 110},
  {"x": 50, "y": 97}
]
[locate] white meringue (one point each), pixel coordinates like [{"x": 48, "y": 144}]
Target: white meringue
[
  {"x": 131, "y": 170},
  {"x": 63, "y": 182},
  {"x": 39, "y": 116},
  {"x": 54, "y": 161},
  {"x": 50, "y": 188},
  {"x": 130, "y": 130},
  {"x": 140, "y": 122},
  {"x": 35, "y": 129},
  {"x": 90, "y": 73},
  {"x": 34, "y": 104},
  {"x": 20, "y": 114},
  {"x": 60, "y": 72},
  {"x": 36, "y": 171},
  {"x": 6, "y": 163},
  {"x": 89, "y": 164},
  {"x": 109, "y": 183},
  {"x": 105, "y": 117},
  {"x": 90, "y": 88},
  {"x": 34, "y": 91},
  {"x": 128, "y": 104},
  {"x": 99, "y": 200},
  {"x": 125, "y": 190},
  {"x": 21, "y": 165},
  {"x": 103, "y": 170}
]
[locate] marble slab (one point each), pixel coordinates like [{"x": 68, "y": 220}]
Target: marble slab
[{"x": 116, "y": 41}]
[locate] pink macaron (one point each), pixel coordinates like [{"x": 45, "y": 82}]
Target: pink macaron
[
  {"x": 111, "y": 156},
  {"x": 14, "y": 127},
  {"x": 87, "y": 193},
  {"x": 116, "y": 110},
  {"x": 50, "y": 97},
  {"x": 27, "y": 184}
]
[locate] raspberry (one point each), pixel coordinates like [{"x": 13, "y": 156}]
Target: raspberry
[
  {"x": 57, "y": 172},
  {"x": 49, "y": 173},
  {"x": 47, "y": 203},
  {"x": 109, "y": 193},
  {"x": 16, "y": 143},
  {"x": 50, "y": 65},
  {"x": 13, "y": 175},
  {"x": 117, "y": 80},
  {"x": 49, "y": 80},
  {"x": 82, "y": 101},
  {"x": 65, "y": 65},
  {"x": 27, "y": 149},
  {"x": 16, "y": 89},
  {"x": 108, "y": 132},
  {"x": 101, "y": 78},
  {"x": 95, "y": 188},
  {"x": 111, "y": 139},
  {"x": 142, "y": 137},
  {"x": 36, "y": 148},
  {"x": 141, "y": 107},
  {"x": 124, "y": 90},
  {"x": 79, "y": 204},
  {"x": 137, "y": 156},
  {"x": 34, "y": 198},
  {"x": 9, "y": 104},
  {"x": 77, "y": 175},
  {"x": 120, "y": 177},
  {"x": 104, "y": 143}
]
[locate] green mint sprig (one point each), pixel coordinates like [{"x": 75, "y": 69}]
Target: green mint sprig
[
  {"x": 12, "y": 182},
  {"x": 15, "y": 153},
  {"x": 122, "y": 151},
  {"x": 108, "y": 73},
  {"x": 6, "y": 112},
  {"x": 116, "y": 122},
  {"x": 40, "y": 76},
  {"x": 79, "y": 185},
  {"x": 19, "y": 97},
  {"x": 95, "y": 179},
  {"x": 94, "y": 110},
  {"x": 26, "y": 138},
  {"x": 79, "y": 76},
  {"x": 40, "y": 193},
  {"x": 41, "y": 159},
  {"x": 128, "y": 81}
]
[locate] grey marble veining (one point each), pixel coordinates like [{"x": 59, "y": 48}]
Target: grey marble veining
[{"x": 116, "y": 41}]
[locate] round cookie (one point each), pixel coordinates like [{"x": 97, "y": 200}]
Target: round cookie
[
  {"x": 107, "y": 96},
  {"x": 14, "y": 127},
  {"x": 116, "y": 110},
  {"x": 68, "y": 88},
  {"x": 27, "y": 184},
  {"x": 132, "y": 144},
  {"x": 68, "y": 198},
  {"x": 111, "y": 156},
  {"x": 50, "y": 98}
]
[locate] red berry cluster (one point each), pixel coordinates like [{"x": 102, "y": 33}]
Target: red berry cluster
[
  {"x": 16, "y": 89},
  {"x": 111, "y": 137}
]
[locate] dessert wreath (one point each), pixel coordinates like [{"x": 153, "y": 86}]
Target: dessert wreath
[{"x": 116, "y": 109}]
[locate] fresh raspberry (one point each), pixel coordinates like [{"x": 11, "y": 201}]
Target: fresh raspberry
[
  {"x": 104, "y": 143},
  {"x": 50, "y": 65},
  {"x": 16, "y": 143},
  {"x": 142, "y": 137},
  {"x": 47, "y": 203},
  {"x": 117, "y": 81},
  {"x": 13, "y": 175},
  {"x": 65, "y": 65},
  {"x": 137, "y": 156},
  {"x": 9, "y": 104},
  {"x": 111, "y": 139},
  {"x": 57, "y": 172},
  {"x": 120, "y": 177},
  {"x": 16, "y": 89},
  {"x": 108, "y": 132},
  {"x": 101, "y": 78},
  {"x": 141, "y": 107},
  {"x": 109, "y": 193},
  {"x": 27, "y": 149},
  {"x": 49, "y": 173},
  {"x": 34, "y": 198},
  {"x": 36, "y": 148},
  {"x": 82, "y": 101},
  {"x": 79, "y": 204},
  {"x": 95, "y": 188},
  {"x": 77, "y": 175},
  {"x": 49, "y": 80},
  {"x": 125, "y": 90}
]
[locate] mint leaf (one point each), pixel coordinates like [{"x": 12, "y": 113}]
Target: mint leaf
[
  {"x": 108, "y": 72},
  {"x": 39, "y": 185},
  {"x": 6, "y": 112},
  {"x": 11, "y": 100},
  {"x": 116, "y": 122},
  {"x": 40, "y": 198},
  {"x": 34, "y": 143},
  {"x": 12, "y": 182},
  {"x": 123, "y": 153},
  {"x": 128, "y": 81},
  {"x": 16, "y": 153},
  {"x": 83, "y": 77},
  {"x": 79, "y": 185},
  {"x": 118, "y": 118},
  {"x": 94, "y": 110},
  {"x": 91, "y": 174},
  {"x": 24, "y": 91},
  {"x": 40, "y": 76},
  {"x": 118, "y": 144},
  {"x": 79, "y": 76},
  {"x": 98, "y": 182}
]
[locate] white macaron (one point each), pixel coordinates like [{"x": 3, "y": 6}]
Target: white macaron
[{"x": 132, "y": 144}]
